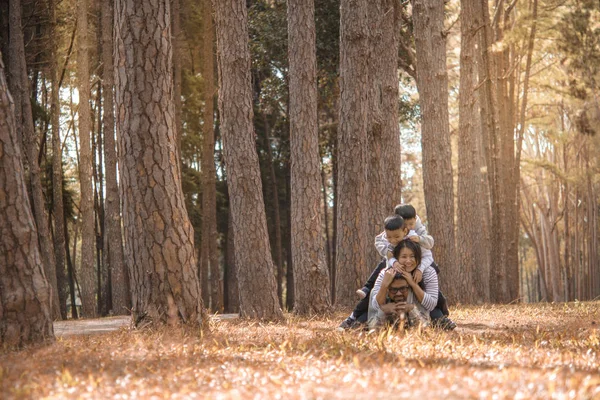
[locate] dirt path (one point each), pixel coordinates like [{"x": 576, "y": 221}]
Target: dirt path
[{"x": 103, "y": 325}]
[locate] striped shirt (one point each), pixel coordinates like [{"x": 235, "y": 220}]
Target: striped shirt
[{"x": 430, "y": 283}]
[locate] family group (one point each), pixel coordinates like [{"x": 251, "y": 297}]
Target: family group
[{"x": 403, "y": 290}]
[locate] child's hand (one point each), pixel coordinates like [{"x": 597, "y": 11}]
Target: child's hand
[
  {"x": 398, "y": 267},
  {"x": 417, "y": 276},
  {"x": 415, "y": 238},
  {"x": 388, "y": 277}
]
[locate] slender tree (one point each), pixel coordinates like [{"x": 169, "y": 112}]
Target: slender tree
[
  {"x": 57, "y": 172},
  {"x": 352, "y": 235},
  {"x": 311, "y": 283},
  {"x": 257, "y": 285},
  {"x": 25, "y": 309},
  {"x": 159, "y": 245},
  {"x": 209, "y": 174},
  {"x": 113, "y": 238},
  {"x": 88, "y": 277},
  {"x": 432, "y": 84}
]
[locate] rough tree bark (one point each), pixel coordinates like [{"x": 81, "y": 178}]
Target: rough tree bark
[
  {"x": 159, "y": 245},
  {"x": 57, "y": 172},
  {"x": 311, "y": 283},
  {"x": 432, "y": 84},
  {"x": 352, "y": 214},
  {"x": 257, "y": 285},
  {"x": 385, "y": 180},
  {"x": 88, "y": 237},
  {"x": 113, "y": 238},
  {"x": 209, "y": 174},
  {"x": 175, "y": 41},
  {"x": 468, "y": 275},
  {"x": 25, "y": 310},
  {"x": 19, "y": 87}
]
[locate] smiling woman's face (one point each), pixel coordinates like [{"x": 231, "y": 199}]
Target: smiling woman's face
[{"x": 407, "y": 258}]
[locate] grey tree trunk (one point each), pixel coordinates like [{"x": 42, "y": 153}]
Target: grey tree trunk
[
  {"x": 88, "y": 278},
  {"x": 257, "y": 284},
  {"x": 311, "y": 283},
  {"x": 432, "y": 84},
  {"x": 19, "y": 87},
  {"x": 25, "y": 304},
  {"x": 352, "y": 214},
  {"x": 209, "y": 174},
  {"x": 159, "y": 238},
  {"x": 113, "y": 237}
]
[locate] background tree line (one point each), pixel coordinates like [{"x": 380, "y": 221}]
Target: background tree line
[{"x": 484, "y": 115}]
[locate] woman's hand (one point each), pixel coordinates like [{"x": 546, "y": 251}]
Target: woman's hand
[{"x": 417, "y": 276}]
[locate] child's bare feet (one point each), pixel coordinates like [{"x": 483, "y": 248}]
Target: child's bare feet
[{"x": 361, "y": 294}]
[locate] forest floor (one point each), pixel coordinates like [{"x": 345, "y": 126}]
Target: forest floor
[{"x": 544, "y": 351}]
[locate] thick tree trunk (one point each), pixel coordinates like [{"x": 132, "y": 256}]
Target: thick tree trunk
[
  {"x": 159, "y": 246},
  {"x": 311, "y": 286},
  {"x": 19, "y": 87},
  {"x": 432, "y": 84},
  {"x": 352, "y": 213},
  {"x": 209, "y": 174},
  {"x": 468, "y": 275},
  {"x": 383, "y": 130},
  {"x": 25, "y": 303},
  {"x": 57, "y": 172},
  {"x": 257, "y": 285},
  {"x": 86, "y": 205},
  {"x": 113, "y": 237}
]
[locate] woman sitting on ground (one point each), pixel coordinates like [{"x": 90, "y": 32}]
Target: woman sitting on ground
[{"x": 408, "y": 255}]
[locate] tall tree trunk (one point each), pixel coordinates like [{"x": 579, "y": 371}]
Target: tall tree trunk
[
  {"x": 352, "y": 213},
  {"x": 19, "y": 87},
  {"x": 311, "y": 286},
  {"x": 432, "y": 84},
  {"x": 86, "y": 205},
  {"x": 490, "y": 116},
  {"x": 385, "y": 179},
  {"x": 176, "y": 44},
  {"x": 252, "y": 249},
  {"x": 468, "y": 275},
  {"x": 113, "y": 237},
  {"x": 25, "y": 303},
  {"x": 159, "y": 246},
  {"x": 57, "y": 172},
  {"x": 209, "y": 174}
]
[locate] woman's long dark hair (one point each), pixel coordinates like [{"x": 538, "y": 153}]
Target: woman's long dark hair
[{"x": 415, "y": 247}]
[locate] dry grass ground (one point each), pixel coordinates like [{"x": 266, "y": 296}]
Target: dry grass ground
[{"x": 523, "y": 351}]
